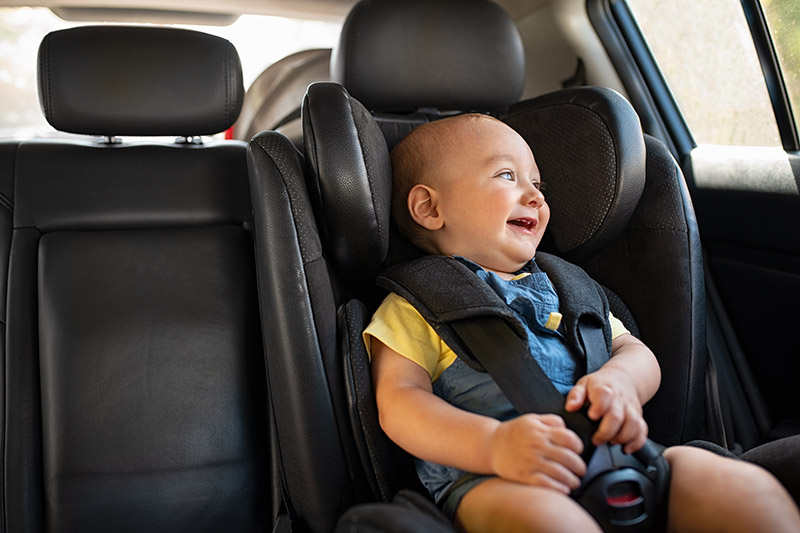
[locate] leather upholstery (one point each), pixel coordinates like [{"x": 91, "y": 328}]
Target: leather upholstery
[
  {"x": 133, "y": 373},
  {"x": 139, "y": 81},
  {"x": 140, "y": 184},
  {"x": 349, "y": 182},
  {"x": 298, "y": 309},
  {"x": 444, "y": 54}
]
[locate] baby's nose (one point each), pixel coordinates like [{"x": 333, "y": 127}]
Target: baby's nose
[{"x": 534, "y": 196}]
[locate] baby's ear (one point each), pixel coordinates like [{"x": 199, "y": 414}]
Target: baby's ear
[{"x": 423, "y": 207}]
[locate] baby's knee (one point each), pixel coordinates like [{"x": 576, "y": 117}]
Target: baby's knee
[
  {"x": 498, "y": 505},
  {"x": 708, "y": 475}
]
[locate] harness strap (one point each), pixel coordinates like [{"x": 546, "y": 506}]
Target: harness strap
[
  {"x": 505, "y": 356},
  {"x": 593, "y": 341}
]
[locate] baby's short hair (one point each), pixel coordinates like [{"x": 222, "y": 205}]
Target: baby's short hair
[{"x": 412, "y": 159}]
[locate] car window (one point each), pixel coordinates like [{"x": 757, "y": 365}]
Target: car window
[
  {"x": 708, "y": 59},
  {"x": 260, "y": 41},
  {"x": 783, "y": 21}
]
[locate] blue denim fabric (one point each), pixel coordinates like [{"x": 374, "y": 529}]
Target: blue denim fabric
[{"x": 532, "y": 298}]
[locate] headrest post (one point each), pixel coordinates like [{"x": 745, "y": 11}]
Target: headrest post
[{"x": 188, "y": 139}]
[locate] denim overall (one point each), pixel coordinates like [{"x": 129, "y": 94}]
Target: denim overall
[{"x": 532, "y": 298}]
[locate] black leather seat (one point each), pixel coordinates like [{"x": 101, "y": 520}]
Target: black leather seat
[
  {"x": 133, "y": 377},
  {"x": 635, "y": 234}
]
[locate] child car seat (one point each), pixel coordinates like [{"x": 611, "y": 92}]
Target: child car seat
[
  {"x": 652, "y": 261},
  {"x": 322, "y": 234}
]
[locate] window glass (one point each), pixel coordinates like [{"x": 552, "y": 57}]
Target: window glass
[
  {"x": 259, "y": 40},
  {"x": 707, "y": 56},
  {"x": 783, "y": 20}
]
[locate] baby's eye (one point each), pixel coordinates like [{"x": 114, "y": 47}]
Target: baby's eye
[
  {"x": 506, "y": 175},
  {"x": 539, "y": 184}
]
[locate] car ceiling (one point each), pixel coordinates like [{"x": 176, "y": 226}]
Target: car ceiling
[{"x": 217, "y": 12}]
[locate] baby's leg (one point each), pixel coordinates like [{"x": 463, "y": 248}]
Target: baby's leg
[
  {"x": 713, "y": 493},
  {"x": 500, "y": 505}
]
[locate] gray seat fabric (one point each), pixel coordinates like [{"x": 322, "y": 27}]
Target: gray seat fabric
[{"x": 133, "y": 370}]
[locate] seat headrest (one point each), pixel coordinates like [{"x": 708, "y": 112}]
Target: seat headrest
[
  {"x": 118, "y": 80},
  {"x": 443, "y": 54},
  {"x": 589, "y": 146}
]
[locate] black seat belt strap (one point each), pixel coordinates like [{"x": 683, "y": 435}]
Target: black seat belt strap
[
  {"x": 594, "y": 345},
  {"x": 506, "y": 357}
]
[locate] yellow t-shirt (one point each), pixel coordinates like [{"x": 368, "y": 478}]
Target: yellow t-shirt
[{"x": 399, "y": 326}]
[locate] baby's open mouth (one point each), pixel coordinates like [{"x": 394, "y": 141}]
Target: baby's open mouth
[{"x": 525, "y": 223}]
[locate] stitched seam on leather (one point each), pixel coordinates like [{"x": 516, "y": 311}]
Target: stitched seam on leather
[
  {"x": 363, "y": 414},
  {"x": 313, "y": 153},
  {"x": 369, "y": 176},
  {"x": 6, "y": 203},
  {"x": 290, "y": 197},
  {"x": 48, "y": 98},
  {"x": 228, "y": 81}
]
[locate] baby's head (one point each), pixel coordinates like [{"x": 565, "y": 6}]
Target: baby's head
[{"x": 468, "y": 185}]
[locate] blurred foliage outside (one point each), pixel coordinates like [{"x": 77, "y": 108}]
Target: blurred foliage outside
[
  {"x": 706, "y": 54},
  {"x": 783, "y": 19}
]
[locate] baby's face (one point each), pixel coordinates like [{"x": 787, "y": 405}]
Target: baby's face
[{"x": 489, "y": 187}]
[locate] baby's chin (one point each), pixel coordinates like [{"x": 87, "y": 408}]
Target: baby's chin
[{"x": 507, "y": 269}]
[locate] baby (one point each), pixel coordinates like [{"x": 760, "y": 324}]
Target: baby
[{"x": 468, "y": 187}]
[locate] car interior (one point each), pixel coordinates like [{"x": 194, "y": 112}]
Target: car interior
[{"x": 183, "y": 319}]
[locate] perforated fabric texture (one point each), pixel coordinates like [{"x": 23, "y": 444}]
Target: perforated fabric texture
[
  {"x": 654, "y": 267},
  {"x": 589, "y": 147},
  {"x": 661, "y": 207},
  {"x": 576, "y": 212}
]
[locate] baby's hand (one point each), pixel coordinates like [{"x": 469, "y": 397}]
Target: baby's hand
[
  {"x": 538, "y": 450},
  {"x": 611, "y": 397}
]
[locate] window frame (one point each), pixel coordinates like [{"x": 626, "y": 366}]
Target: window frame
[{"x": 773, "y": 76}]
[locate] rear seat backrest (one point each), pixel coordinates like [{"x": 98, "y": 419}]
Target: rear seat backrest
[{"x": 134, "y": 374}]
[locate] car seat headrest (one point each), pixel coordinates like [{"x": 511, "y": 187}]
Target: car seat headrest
[
  {"x": 118, "y": 80},
  {"x": 587, "y": 142},
  {"x": 443, "y": 54},
  {"x": 589, "y": 147},
  {"x": 349, "y": 182}
]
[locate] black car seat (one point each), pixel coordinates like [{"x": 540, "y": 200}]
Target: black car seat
[
  {"x": 322, "y": 231},
  {"x": 272, "y": 102},
  {"x": 133, "y": 375},
  {"x": 651, "y": 261}
]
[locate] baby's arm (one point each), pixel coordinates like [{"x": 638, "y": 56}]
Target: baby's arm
[
  {"x": 616, "y": 392},
  {"x": 533, "y": 449}
]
